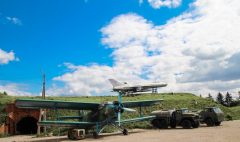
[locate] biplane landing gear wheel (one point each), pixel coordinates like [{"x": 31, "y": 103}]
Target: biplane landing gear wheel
[
  {"x": 125, "y": 132},
  {"x": 71, "y": 135},
  {"x": 95, "y": 135}
]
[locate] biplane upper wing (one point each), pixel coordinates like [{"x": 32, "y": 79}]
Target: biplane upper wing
[
  {"x": 141, "y": 103},
  {"x": 52, "y": 104}
]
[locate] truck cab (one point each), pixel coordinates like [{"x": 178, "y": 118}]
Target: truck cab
[{"x": 211, "y": 116}]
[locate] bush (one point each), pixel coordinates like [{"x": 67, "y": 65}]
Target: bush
[
  {"x": 228, "y": 117},
  {"x": 3, "y": 116}
]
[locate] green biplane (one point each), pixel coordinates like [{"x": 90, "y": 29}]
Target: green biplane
[{"x": 98, "y": 117}]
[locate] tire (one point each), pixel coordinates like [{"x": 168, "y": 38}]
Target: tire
[
  {"x": 160, "y": 123},
  {"x": 95, "y": 135},
  {"x": 209, "y": 122},
  {"x": 70, "y": 135},
  {"x": 163, "y": 124},
  {"x": 195, "y": 124},
  {"x": 155, "y": 123},
  {"x": 173, "y": 124},
  {"x": 125, "y": 132},
  {"x": 217, "y": 123},
  {"x": 186, "y": 124}
]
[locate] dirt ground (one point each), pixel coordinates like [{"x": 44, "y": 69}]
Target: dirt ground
[{"x": 227, "y": 132}]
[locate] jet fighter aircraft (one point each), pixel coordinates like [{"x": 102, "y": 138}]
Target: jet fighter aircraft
[{"x": 126, "y": 88}]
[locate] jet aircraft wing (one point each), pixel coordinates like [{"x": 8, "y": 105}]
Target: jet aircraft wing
[
  {"x": 142, "y": 87},
  {"x": 141, "y": 103},
  {"x": 52, "y": 104}
]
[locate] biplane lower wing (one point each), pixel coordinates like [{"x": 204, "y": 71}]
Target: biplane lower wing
[
  {"x": 145, "y": 118},
  {"x": 89, "y": 124},
  {"x": 69, "y": 117},
  {"x": 66, "y": 124}
]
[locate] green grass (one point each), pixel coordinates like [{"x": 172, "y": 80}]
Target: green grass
[{"x": 235, "y": 112}]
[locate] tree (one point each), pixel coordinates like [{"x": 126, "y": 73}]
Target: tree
[
  {"x": 238, "y": 95},
  {"x": 5, "y": 93},
  {"x": 220, "y": 98},
  {"x": 228, "y": 99},
  {"x": 210, "y": 96}
]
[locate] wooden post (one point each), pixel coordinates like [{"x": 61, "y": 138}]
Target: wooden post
[{"x": 39, "y": 119}]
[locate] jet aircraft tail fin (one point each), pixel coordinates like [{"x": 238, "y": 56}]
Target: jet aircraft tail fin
[{"x": 115, "y": 82}]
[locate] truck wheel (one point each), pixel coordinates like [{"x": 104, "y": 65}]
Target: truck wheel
[
  {"x": 173, "y": 124},
  {"x": 155, "y": 123},
  {"x": 195, "y": 124},
  {"x": 95, "y": 135},
  {"x": 186, "y": 124},
  {"x": 125, "y": 132},
  {"x": 209, "y": 122},
  {"x": 163, "y": 124},
  {"x": 217, "y": 123}
]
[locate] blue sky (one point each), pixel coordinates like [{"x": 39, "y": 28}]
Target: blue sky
[
  {"x": 57, "y": 31},
  {"x": 45, "y": 34}
]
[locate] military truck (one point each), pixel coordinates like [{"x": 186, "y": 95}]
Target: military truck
[
  {"x": 173, "y": 118},
  {"x": 212, "y": 116}
]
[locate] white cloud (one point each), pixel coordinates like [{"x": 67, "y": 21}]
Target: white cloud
[
  {"x": 164, "y": 3},
  {"x": 89, "y": 80},
  {"x": 14, "y": 89},
  {"x": 14, "y": 20},
  {"x": 198, "y": 51},
  {"x": 84, "y": 80},
  {"x": 6, "y": 57}
]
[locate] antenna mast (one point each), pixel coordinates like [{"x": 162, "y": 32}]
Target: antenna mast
[
  {"x": 42, "y": 111},
  {"x": 43, "y": 89}
]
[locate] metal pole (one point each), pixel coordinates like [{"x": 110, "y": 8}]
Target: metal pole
[
  {"x": 140, "y": 111},
  {"x": 119, "y": 105},
  {"x": 43, "y": 96}
]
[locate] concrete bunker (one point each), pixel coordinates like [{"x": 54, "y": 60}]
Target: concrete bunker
[
  {"x": 27, "y": 125},
  {"x": 20, "y": 120}
]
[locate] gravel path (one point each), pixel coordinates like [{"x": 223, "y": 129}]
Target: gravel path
[{"x": 229, "y": 131}]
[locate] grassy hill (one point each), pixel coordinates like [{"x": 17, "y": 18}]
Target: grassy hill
[{"x": 176, "y": 100}]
